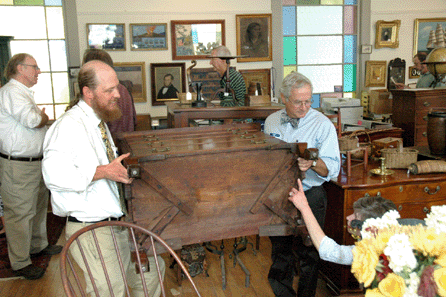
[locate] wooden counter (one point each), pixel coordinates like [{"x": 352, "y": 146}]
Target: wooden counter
[
  {"x": 412, "y": 194},
  {"x": 179, "y": 115}
]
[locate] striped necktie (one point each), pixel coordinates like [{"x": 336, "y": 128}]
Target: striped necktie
[{"x": 111, "y": 157}]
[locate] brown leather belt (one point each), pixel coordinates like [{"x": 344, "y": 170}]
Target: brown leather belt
[
  {"x": 74, "y": 220},
  {"x": 26, "y": 159}
]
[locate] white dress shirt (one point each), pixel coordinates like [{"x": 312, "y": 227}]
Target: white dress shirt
[
  {"x": 73, "y": 148},
  {"x": 19, "y": 117}
]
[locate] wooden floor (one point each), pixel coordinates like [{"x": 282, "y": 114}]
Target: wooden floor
[{"x": 258, "y": 265}]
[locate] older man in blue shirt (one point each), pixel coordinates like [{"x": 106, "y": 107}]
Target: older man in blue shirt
[{"x": 298, "y": 122}]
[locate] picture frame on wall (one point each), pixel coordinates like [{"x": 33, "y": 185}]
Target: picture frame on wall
[
  {"x": 396, "y": 70},
  {"x": 254, "y": 37},
  {"x": 425, "y": 34},
  {"x": 261, "y": 76},
  {"x": 414, "y": 72},
  {"x": 151, "y": 36},
  {"x": 133, "y": 76},
  {"x": 387, "y": 34},
  {"x": 110, "y": 37},
  {"x": 375, "y": 73},
  {"x": 192, "y": 40},
  {"x": 167, "y": 80}
]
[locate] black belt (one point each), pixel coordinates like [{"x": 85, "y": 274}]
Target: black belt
[
  {"x": 27, "y": 159},
  {"x": 74, "y": 220}
]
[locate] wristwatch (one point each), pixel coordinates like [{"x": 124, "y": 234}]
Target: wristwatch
[{"x": 314, "y": 163}]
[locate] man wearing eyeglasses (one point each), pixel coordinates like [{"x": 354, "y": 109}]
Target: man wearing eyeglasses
[
  {"x": 298, "y": 122},
  {"x": 25, "y": 197}
]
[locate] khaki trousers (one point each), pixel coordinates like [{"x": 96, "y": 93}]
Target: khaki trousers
[
  {"x": 108, "y": 252},
  {"x": 25, "y": 202}
]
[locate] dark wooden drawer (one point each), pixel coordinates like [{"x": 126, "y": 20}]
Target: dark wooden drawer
[
  {"x": 432, "y": 102},
  {"x": 421, "y": 135}
]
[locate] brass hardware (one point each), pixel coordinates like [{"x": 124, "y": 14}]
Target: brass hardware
[
  {"x": 400, "y": 208},
  {"x": 425, "y": 209},
  {"x": 382, "y": 170},
  {"x": 427, "y": 190},
  {"x": 401, "y": 188},
  {"x": 134, "y": 171},
  {"x": 425, "y": 103},
  {"x": 425, "y": 134},
  {"x": 378, "y": 194},
  {"x": 258, "y": 142}
]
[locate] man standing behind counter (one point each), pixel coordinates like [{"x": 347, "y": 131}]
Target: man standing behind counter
[
  {"x": 82, "y": 171},
  {"x": 298, "y": 122},
  {"x": 25, "y": 197},
  {"x": 237, "y": 81},
  {"x": 426, "y": 79}
]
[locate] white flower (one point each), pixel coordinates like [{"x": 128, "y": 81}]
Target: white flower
[
  {"x": 436, "y": 219},
  {"x": 399, "y": 250},
  {"x": 387, "y": 220},
  {"x": 412, "y": 285}
]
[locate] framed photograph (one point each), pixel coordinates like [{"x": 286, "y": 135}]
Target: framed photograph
[
  {"x": 261, "y": 76},
  {"x": 148, "y": 37},
  {"x": 366, "y": 49},
  {"x": 396, "y": 73},
  {"x": 387, "y": 34},
  {"x": 167, "y": 80},
  {"x": 106, "y": 36},
  {"x": 375, "y": 73},
  {"x": 133, "y": 76},
  {"x": 193, "y": 40},
  {"x": 254, "y": 37},
  {"x": 426, "y": 34},
  {"x": 414, "y": 72}
]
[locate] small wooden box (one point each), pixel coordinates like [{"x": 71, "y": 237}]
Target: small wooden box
[
  {"x": 261, "y": 100},
  {"x": 388, "y": 142}
]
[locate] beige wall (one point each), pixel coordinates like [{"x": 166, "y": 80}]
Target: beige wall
[{"x": 143, "y": 11}]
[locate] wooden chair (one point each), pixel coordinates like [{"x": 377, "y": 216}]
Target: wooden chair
[
  {"x": 338, "y": 124},
  {"x": 72, "y": 276}
]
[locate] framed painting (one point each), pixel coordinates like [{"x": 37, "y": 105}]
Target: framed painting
[
  {"x": 427, "y": 34},
  {"x": 375, "y": 73},
  {"x": 387, "y": 34},
  {"x": 133, "y": 76},
  {"x": 148, "y": 37},
  {"x": 414, "y": 72},
  {"x": 396, "y": 73},
  {"x": 258, "y": 76},
  {"x": 106, "y": 36},
  {"x": 167, "y": 80},
  {"x": 193, "y": 40},
  {"x": 254, "y": 37}
]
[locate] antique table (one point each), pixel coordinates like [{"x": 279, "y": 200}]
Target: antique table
[{"x": 180, "y": 115}]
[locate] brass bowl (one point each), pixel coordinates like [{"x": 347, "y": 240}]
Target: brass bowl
[{"x": 378, "y": 171}]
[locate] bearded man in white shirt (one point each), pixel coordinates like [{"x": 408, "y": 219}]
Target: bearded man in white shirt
[
  {"x": 83, "y": 178},
  {"x": 24, "y": 194}
]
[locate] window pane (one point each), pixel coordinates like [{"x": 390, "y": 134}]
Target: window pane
[
  {"x": 28, "y": 2},
  {"x": 324, "y": 78},
  {"x": 289, "y": 20},
  {"x": 49, "y": 110},
  {"x": 54, "y": 19},
  {"x": 319, "y": 50},
  {"x": 60, "y": 109},
  {"x": 308, "y": 2},
  {"x": 319, "y": 20},
  {"x": 23, "y": 22},
  {"x": 350, "y": 20},
  {"x": 60, "y": 87},
  {"x": 331, "y": 2},
  {"x": 350, "y": 49},
  {"x": 288, "y": 2},
  {"x": 351, "y": 2},
  {"x": 58, "y": 55},
  {"x": 287, "y": 70},
  {"x": 316, "y": 100},
  {"x": 53, "y": 2},
  {"x": 349, "y": 77},
  {"x": 38, "y": 49},
  {"x": 289, "y": 50},
  {"x": 42, "y": 90},
  {"x": 6, "y": 2}
]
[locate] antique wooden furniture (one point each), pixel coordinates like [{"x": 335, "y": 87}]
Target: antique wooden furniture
[
  {"x": 412, "y": 194},
  {"x": 70, "y": 275},
  {"x": 410, "y": 109},
  {"x": 179, "y": 115},
  {"x": 201, "y": 184}
]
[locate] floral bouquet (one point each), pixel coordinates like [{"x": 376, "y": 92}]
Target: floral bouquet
[{"x": 395, "y": 260}]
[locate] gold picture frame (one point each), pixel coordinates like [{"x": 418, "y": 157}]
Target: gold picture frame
[
  {"x": 262, "y": 76},
  {"x": 375, "y": 73},
  {"x": 414, "y": 72},
  {"x": 387, "y": 34},
  {"x": 133, "y": 76},
  {"x": 422, "y": 31}
]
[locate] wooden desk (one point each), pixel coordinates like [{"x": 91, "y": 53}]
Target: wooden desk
[
  {"x": 412, "y": 194},
  {"x": 179, "y": 115}
]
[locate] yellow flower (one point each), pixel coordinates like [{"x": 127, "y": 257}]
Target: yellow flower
[
  {"x": 392, "y": 286},
  {"x": 440, "y": 280},
  {"x": 374, "y": 293},
  {"x": 382, "y": 239},
  {"x": 441, "y": 260},
  {"x": 427, "y": 241},
  {"x": 365, "y": 260}
]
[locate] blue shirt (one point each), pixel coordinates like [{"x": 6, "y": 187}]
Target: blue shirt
[{"x": 318, "y": 132}]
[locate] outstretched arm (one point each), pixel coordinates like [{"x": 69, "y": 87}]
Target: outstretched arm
[{"x": 300, "y": 201}]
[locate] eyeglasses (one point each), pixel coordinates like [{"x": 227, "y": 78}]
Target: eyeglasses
[
  {"x": 33, "y": 66},
  {"x": 305, "y": 103}
]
